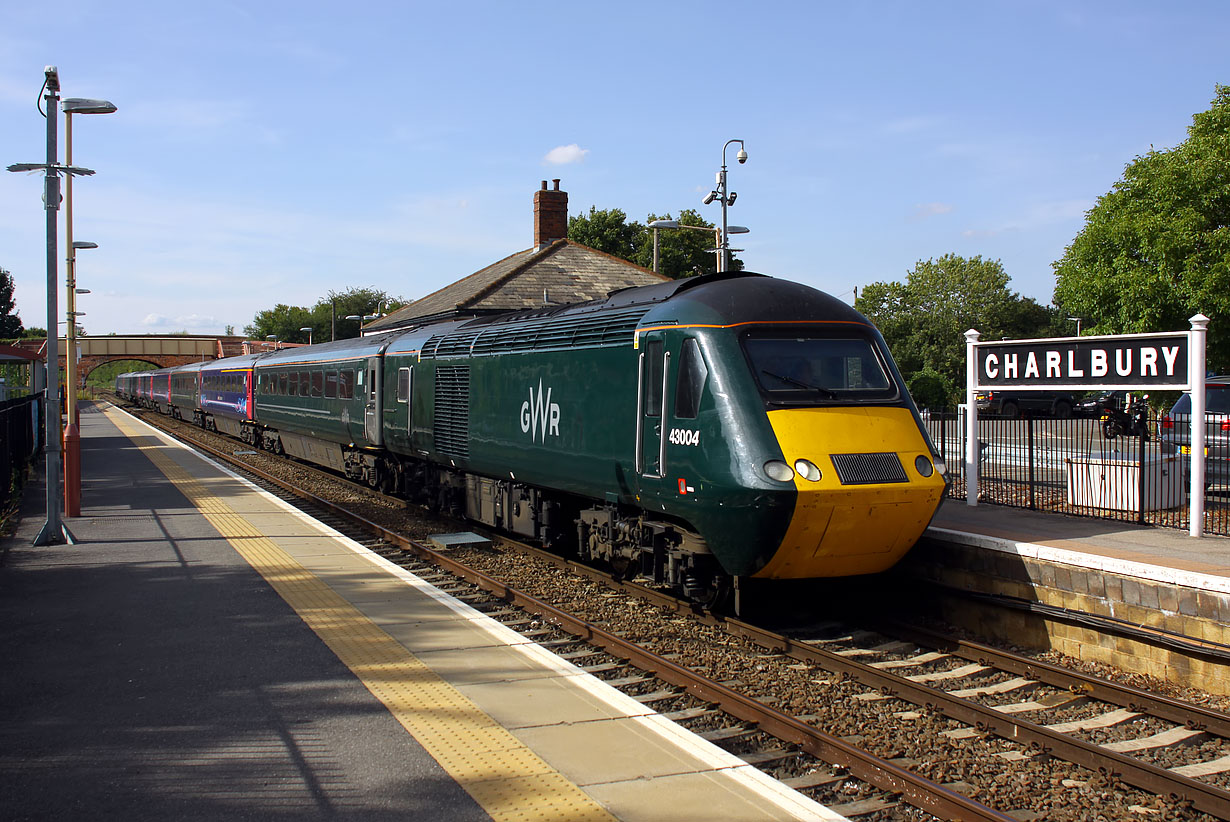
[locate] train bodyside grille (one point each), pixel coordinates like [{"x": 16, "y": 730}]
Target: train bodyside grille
[
  {"x": 868, "y": 469},
  {"x": 452, "y": 423}
]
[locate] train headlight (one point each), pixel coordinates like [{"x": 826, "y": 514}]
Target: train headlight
[
  {"x": 778, "y": 470},
  {"x": 807, "y": 470},
  {"x": 941, "y": 466},
  {"x": 923, "y": 466}
]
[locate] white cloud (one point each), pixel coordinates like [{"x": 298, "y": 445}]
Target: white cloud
[
  {"x": 154, "y": 320},
  {"x": 565, "y": 155},
  {"x": 924, "y": 210}
]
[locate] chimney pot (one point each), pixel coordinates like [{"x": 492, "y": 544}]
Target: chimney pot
[
  {"x": 550, "y": 216},
  {"x": 556, "y": 181}
]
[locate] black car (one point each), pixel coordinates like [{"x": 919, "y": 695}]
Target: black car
[
  {"x": 1093, "y": 404},
  {"x": 1012, "y": 403}
]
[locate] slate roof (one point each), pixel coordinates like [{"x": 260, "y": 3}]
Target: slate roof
[{"x": 566, "y": 271}]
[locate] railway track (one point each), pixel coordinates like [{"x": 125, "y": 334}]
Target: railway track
[{"x": 981, "y": 695}]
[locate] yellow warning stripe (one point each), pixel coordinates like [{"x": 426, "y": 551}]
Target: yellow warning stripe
[{"x": 506, "y": 778}]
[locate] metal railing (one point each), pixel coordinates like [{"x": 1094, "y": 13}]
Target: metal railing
[
  {"x": 1069, "y": 467},
  {"x": 20, "y": 441}
]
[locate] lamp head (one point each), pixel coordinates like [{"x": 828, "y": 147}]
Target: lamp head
[{"x": 83, "y": 105}]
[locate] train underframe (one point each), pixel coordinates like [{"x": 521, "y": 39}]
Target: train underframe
[{"x": 624, "y": 538}]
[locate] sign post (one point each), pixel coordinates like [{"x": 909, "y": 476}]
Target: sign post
[{"x": 1132, "y": 362}]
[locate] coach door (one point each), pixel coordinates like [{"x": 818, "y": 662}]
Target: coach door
[
  {"x": 653, "y": 367},
  {"x": 371, "y": 411}
]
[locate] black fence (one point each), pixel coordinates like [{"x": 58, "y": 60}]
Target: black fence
[
  {"x": 1070, "y": 467},
  {"x": 21, "y": 424}
]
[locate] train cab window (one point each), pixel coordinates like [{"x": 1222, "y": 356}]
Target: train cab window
[
  {"x": 653, "y": 379},
  {"x": 330, "y": 385},
  {"x": 305, "y": 384},
  {"x": 691, "y": 381},
  {"x": 318, "y": 383},
  {"x": 818, "y": 369},
  {"x": 403, "y": 385},
  {"x": 345, "y": 384}
]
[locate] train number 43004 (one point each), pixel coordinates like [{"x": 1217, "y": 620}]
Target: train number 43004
[{"x": 683, "y": 436}]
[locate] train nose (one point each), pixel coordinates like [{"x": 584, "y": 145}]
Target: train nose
[{"x": 870, "y": 496}]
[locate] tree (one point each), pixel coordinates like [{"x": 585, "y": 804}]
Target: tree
[
  {"x": 10, "y": 322},
  {"x": 1155, "y": 250},
  {"x": 286, "y": 320},
  {"x": 924, "y": 319},
  {"x": 682, "y": 252}
]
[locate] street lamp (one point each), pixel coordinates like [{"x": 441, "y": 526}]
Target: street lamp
[
  {"x": 308, "y": 329},
  {"x": 54, "y": 529},
  {"x": 717, "y": 237},
  {"x": 1076, "y": 320},
  {"x": 72, "y": 437},
  {"x": 727, "y": 199},
  {"x": 273, "y": 337}
]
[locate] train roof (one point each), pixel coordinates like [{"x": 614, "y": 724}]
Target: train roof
[{"x": 338, "y": 350}]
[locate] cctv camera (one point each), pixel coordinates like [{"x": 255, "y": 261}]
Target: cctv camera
[
  {"x": 741, "y": 156},
  {"x": 731, "y": 199},
  {"x": 710, "y": 197}
]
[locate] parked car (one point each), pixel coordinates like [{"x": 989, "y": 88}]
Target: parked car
[
  {"x": 1093, "y": 404},
  {"x": 1012, "y": 403},
  {"x": 1176, "y": 431}
]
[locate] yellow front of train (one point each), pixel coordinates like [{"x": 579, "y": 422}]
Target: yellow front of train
[{"x": 867, "y": 488}]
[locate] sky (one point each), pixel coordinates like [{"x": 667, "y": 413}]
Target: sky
[{"x": 270, "y": 152}]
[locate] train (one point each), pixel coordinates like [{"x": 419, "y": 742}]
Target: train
[{"x": 693, "y": 432}]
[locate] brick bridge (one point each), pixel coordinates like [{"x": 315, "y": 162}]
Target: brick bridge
[{"x": 161, "y": 351}]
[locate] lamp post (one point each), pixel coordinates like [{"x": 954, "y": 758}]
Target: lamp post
[
  {"x": 273, "y": 337},
  {"x": 308, "y": 329},
  {"x": 727, "y": 198},
  {"x": 72, "y": 437},
  {"x": 1076, "y": 320},
  {"x": 717, "y": 237},
  {"x": 54, "y": 529}
]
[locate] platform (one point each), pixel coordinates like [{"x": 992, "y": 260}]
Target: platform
[
  {"x": 1160, "y": 580},
  {"x": 208, "y": 651}
]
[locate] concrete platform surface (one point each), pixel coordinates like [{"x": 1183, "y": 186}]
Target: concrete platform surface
[{"x": 207, "y": 651}]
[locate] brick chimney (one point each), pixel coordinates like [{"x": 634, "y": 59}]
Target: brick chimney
[{"x": 550, "y": 215}]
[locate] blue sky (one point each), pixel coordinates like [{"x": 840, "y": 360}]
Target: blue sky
[{"x": 268, "y": 152}]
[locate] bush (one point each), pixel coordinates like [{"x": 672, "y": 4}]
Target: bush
[{"x": 930, "y": 389}]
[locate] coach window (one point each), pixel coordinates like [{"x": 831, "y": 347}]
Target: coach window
[
  {"x": 305, "y": 384},
  {"x": 403, "y": 384},
  {"x": 318, "y": 383},
  {"x": 345, "y": 384},
  {"x": 330, "y": 385},
  {"x": 691, "y": 382},
  {"x": 653, "y": 386},
  {"x": 292, "y": 384}
]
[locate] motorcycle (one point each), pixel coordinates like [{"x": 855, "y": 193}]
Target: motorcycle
[{"x": 1130, "y": 420}]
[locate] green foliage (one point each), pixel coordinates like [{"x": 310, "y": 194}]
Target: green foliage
[
  {"x": 930, "y": 389},
  {"x": 1155, "y": 250},
  {"x": 104, "y": 375},
  {"x": 286, "y": 320},
  {"x": 924, "y": 319},
  {"x": 34, "y": 333},
  {"x": 10, "y": 322},
  {"x": 682, "y": 252}
]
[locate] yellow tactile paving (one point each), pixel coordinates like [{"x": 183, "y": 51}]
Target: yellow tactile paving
[{"x": 507, "y": 779}]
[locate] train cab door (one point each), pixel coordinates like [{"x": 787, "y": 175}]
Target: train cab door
[
  {"x": 371, "y": 410},
  {"x": 653, "y": 370}
]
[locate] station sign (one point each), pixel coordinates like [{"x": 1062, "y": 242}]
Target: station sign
[{"x": 1120, "y": 362}]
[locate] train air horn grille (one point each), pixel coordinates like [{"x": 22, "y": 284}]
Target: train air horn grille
[{"x": 866, "y": 469}]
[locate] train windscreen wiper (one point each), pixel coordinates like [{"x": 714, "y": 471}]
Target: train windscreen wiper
[{"x": 792, "y": 381}]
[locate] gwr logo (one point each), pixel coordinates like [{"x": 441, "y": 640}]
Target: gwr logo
[{"x": 540, "y": 416}]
